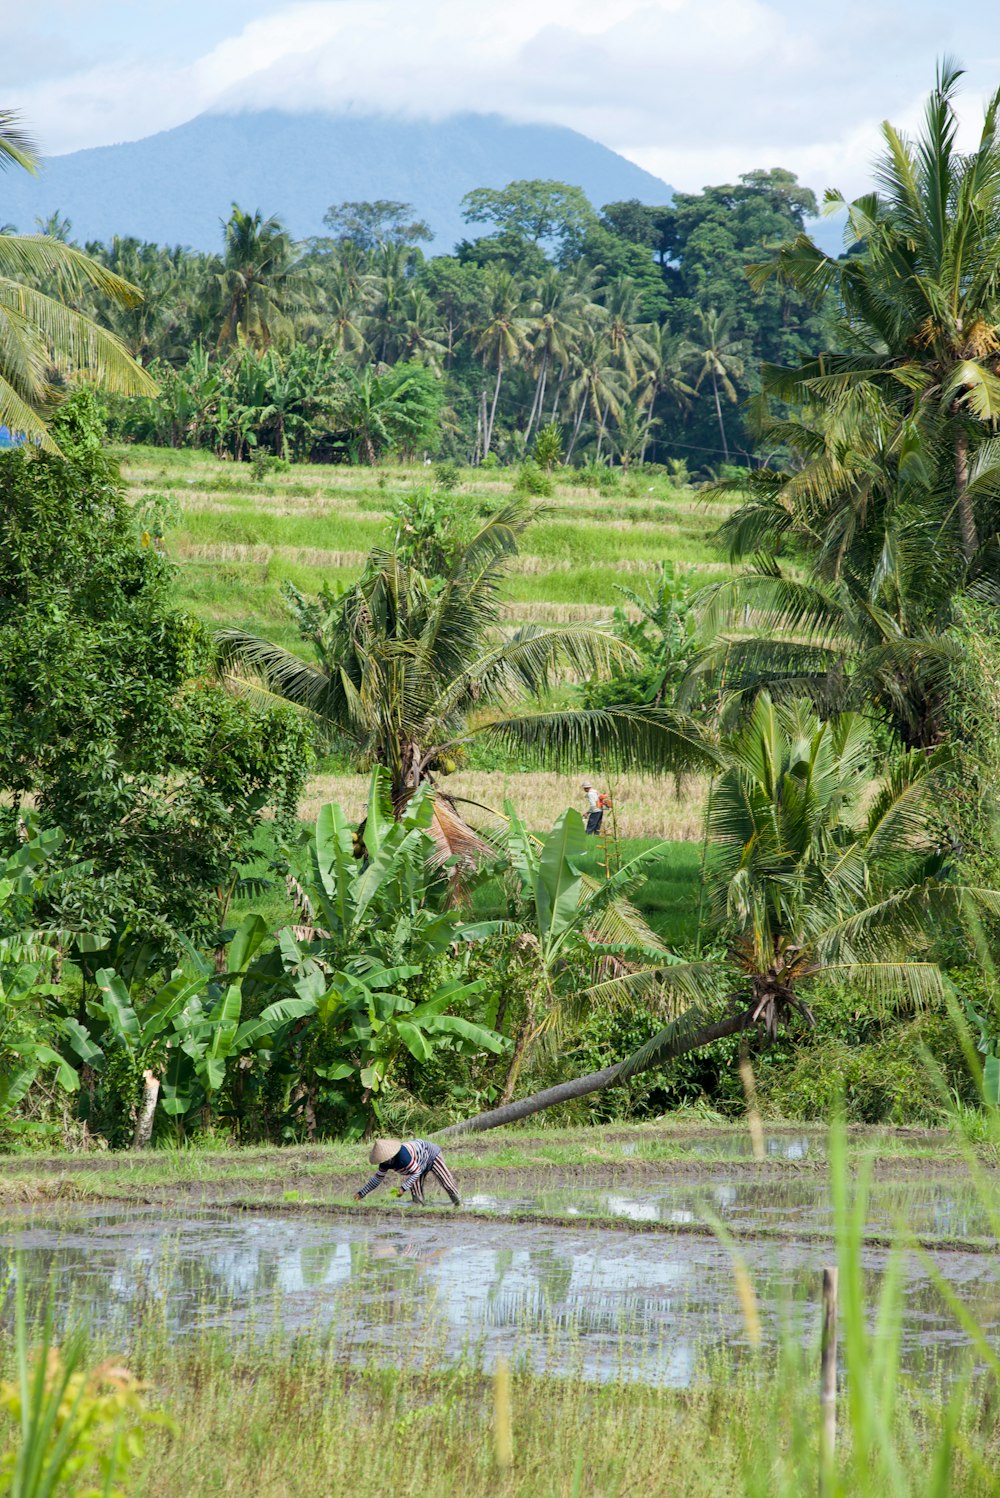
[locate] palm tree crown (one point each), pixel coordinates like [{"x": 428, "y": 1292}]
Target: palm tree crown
[
  {"x": 820, "y": 866},
  {"x": 920, "y": 305},
  {"x": 42, "y": 341},
  {"x": 404, "y": 662}
]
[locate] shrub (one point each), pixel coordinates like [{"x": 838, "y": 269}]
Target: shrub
[
  {"x": 549, "y": 446},
  {"x": 447, "y": 475},
  {"x": 533, "y": 481}
]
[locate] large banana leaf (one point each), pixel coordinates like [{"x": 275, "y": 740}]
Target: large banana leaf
[
  {"x": 557, "y": 887},
  {"x": 118, "y": 1009}
]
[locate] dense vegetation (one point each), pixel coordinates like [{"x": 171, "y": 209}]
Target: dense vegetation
[
  {"x": 178, "y": 954},
  {"x": 630, "y": 333}
]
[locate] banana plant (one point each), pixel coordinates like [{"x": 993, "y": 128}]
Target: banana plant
[
  {"x": 183, "y": 1036},
  {"x": 393, "y": 947},
  {"x": 207, "y": 1027},
  {"x": 34, "y": 1033},
  {"x": 988, "y": 1045}
]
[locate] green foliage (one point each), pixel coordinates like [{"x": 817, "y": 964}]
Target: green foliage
[
  {"x": 433, "y": 528},
  {"x": 887, "y": 1082},
  {"x": 40, "y": 900},
  {"x": 386, "y": 958},
  {"x": 533, "y": 481},
  {"x": 551, "y": 212},
  {"x": 370, "y": 225},
  {"x": 817, "y": 869},
  {"x": 549, "y": 446},
  {"x": 156, "y": 776},
  {"x": 663, "y": 637},
  {"x": 447, "y": 475}
]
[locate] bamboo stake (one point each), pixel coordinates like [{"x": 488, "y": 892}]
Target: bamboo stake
[
  {"x": 503, "y": 1445},
  {"x": 828, "y": 1379}
]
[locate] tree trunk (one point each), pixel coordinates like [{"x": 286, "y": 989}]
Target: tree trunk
[
  {"x": 718, "y": 412},
  {"x": 576, "y": 429},
  {"x": 646, "y": 431},
  {"x": 534, "y": 404},
  {"x": 595, "y": 1081},
  {"x": 520, "y": 1047},
  {"x": 493, "y": 408},
  {"x": 541, "y": 396},
  {"x": 558, "y": 395},
  {"x": 601, "y": 430},
  {"x": 144, "y": 1123},
  {"x": 966, "y": 517}
]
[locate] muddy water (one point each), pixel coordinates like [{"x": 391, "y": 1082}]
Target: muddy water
[
  {"x": 939, "y": 1207},
  {"x": 599, "y": 1301}
]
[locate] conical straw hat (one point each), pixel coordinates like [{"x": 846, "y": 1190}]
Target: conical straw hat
[{"x": 383, "y": 1150}]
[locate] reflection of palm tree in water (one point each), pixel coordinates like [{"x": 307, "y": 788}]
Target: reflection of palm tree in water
[{"x": 554, "y": 1272}]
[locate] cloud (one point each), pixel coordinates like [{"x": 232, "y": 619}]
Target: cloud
[{"x": 694, "y": 90}]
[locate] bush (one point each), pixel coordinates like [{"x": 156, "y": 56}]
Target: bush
[
  {"x": 533, "y": 481},
  {"x": 447, "y": 475},
  {"x": 598, "y": 476}
]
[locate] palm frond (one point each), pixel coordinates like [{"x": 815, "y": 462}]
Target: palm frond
[
  {"x": 17, "y": 148},
  {"x": 649, "y": 738},
  {"x": 75, "y": 342}
]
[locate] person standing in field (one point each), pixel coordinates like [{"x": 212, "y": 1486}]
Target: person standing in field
[
  {"x": 598, "y": 804},
  {"x": 413, "y": 1162}
]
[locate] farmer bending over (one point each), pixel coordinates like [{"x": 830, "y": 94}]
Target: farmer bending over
[{"x": 413, "y": 1161}]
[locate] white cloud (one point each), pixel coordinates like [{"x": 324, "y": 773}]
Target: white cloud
[{"x": 695, "y": 90}]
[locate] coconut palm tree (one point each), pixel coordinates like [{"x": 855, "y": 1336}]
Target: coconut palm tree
[
  {"x": 501, "y": 338},
  {"x": 44, "y": 343},
  {"x": 822, "y": 866},
  {"x": 662, "y": 373},
  {"x": 407, "y": 668},
  {"x": 257, "y": 279},
  {"x": 717, "y": 356},
  {"x": 346, "y": 296},
  {"x": 920, "y": 305},
  {"x": 598, "y": 386},
  {"x": 559, "y": 307},
  {"x": 421, "y": 331}
]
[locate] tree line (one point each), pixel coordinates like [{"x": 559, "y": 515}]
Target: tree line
[{"x": 632, "y": 330}]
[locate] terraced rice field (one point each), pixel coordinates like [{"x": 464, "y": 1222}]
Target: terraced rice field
[{"x": 236, "y": 541}]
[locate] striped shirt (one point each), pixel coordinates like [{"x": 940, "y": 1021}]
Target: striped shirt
[{"x": 422, "y": 1156}]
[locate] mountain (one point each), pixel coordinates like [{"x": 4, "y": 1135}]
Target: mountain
[{"x": 175, "y": 187}]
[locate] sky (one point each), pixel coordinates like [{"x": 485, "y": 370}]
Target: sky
[{"x": 696, "y": 91}]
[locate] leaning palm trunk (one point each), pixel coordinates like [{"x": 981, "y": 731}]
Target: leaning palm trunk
[
  {"x": 488, "y": 442},
  {"x": 596, "y": 1081}
]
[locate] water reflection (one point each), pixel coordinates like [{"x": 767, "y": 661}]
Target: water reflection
[
  {"x": 935, "y": 1208},
  {"x": 599, "y": 1301}
]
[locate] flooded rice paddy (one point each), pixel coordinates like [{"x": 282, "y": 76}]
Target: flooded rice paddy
[
  {"x": 934, "y": 1208},
  {"x": 598, "y": 1298}
]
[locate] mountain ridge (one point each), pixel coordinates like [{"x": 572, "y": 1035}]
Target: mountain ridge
[{"x": 177, "y": 186}]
